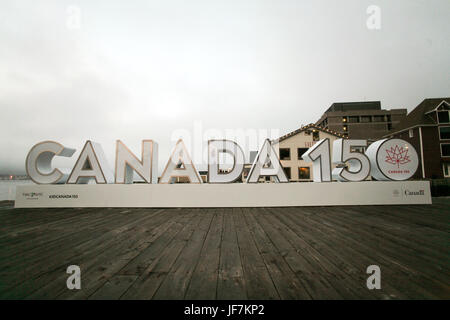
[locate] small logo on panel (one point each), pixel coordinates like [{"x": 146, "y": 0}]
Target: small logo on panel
[
  {"x": 415, "y": 193},
  {"x": 32, "y": 195}
]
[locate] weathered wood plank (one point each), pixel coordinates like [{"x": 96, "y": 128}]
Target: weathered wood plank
[
  {"x": 310, "y": 268},
  {"x": 129, "y": 241},
  {"x": 114, "y": 288},
  {"x": 224, "y": 253},
  {"x": 231, "y": 284},
  {"x": 287, "y": 284},
  {"x": 147, "y": 256},
  {"x": 40, "y": 281},
  {"x": 203, "y": 284},
  {"x": 351, "y": 238},
  {"x": 174, "y": 286},
  {"x": 332, "y": 258},
  {"x": 395, "y": 247},
  {"x": 258, "y": 281},
  {"x": 150, "y": 280}
]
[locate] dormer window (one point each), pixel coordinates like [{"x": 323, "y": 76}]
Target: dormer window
[
  {"x": 316, "y": 135},
  {"x": 443, "y": 116}
]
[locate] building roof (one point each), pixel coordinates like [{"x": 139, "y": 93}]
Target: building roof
[
  {"x": 354, "y": 106},
  {"x": 309, "y": 126},
  {"x": 419, "y": 116}
]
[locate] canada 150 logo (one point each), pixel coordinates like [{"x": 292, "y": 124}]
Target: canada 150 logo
[
  {"x": 395, "y": 158},
  {"x": 398, "y": 156}
]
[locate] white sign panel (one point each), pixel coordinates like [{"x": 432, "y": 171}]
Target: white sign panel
[{"x": 224, "y": 195}]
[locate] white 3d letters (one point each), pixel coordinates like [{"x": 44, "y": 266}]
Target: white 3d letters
[
  {"x": 319, "y": 155},
  {"x": 91, "y": 165},
  {"x": 180, "y": 165},
  {"x": 39, "y": 159},
  {"x": 127, "y": 163},
  {"x": 357, "y": 164},
  {"x": 387, "y": 159},
  {"x": 267, "y": 164},
  {"x": 215, "y": 147}
]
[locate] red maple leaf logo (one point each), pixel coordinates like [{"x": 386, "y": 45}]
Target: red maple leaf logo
[{"x": 397, "y": 156}]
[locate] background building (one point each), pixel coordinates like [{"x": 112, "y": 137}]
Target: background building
[
  {"x": 427, "y": 128},
  {"x": 291, "y": 147},
  {"x": 248, "y": 166},
  {"x": 361, "y": 120}
]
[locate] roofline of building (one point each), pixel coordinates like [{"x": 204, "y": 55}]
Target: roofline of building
[
  {"x": 395, "y": 110},
  {"x": 308, "y": 126},
  {"x": 438, "y": 106},
  {"x": 355, "y": 102},
  {"x": 372, "y": 110},
  {"x": 420, "y": 124},
  {"x": 412, "y": 127},
  {"x": 327, "y": 113}
]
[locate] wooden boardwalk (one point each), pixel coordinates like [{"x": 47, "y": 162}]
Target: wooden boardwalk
[{"x": 240, "y": 253}]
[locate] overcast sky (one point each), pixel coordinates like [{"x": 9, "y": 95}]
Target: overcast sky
[{"x": 132, "y": 70}]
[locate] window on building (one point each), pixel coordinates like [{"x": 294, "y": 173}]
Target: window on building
[
  {"x": 411, "y": 133},
  {"x": 366, "y": 119},
  {"x": 444, "y": 106},
  {"x": 444, "y": 133},
  {"x": 357, "y": 149},
  {"x": 303, "y": 173},
  {"x": 324, "y": 123},
  {"x": 315, "y": 135},
  {"x": 389, "y": 126},
  {"x": 300, "y": 152},
  {"x": 287, "y": 170},
  {"x": 245, "y": 173},
  {"x": 445, "y": 149},
  {"x": 353, "y": 119},
  {"x": 446, "y": 169},
  {"x": 268, "y": 164},
  {"x": 378, "y": 118},
  {"x": 285, "y": 154},
  {"x": 388, "y": 118},
  {"x": 443, "y": 117}
]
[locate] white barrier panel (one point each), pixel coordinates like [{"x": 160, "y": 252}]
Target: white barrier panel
[{"x": 224, "y": 195}]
